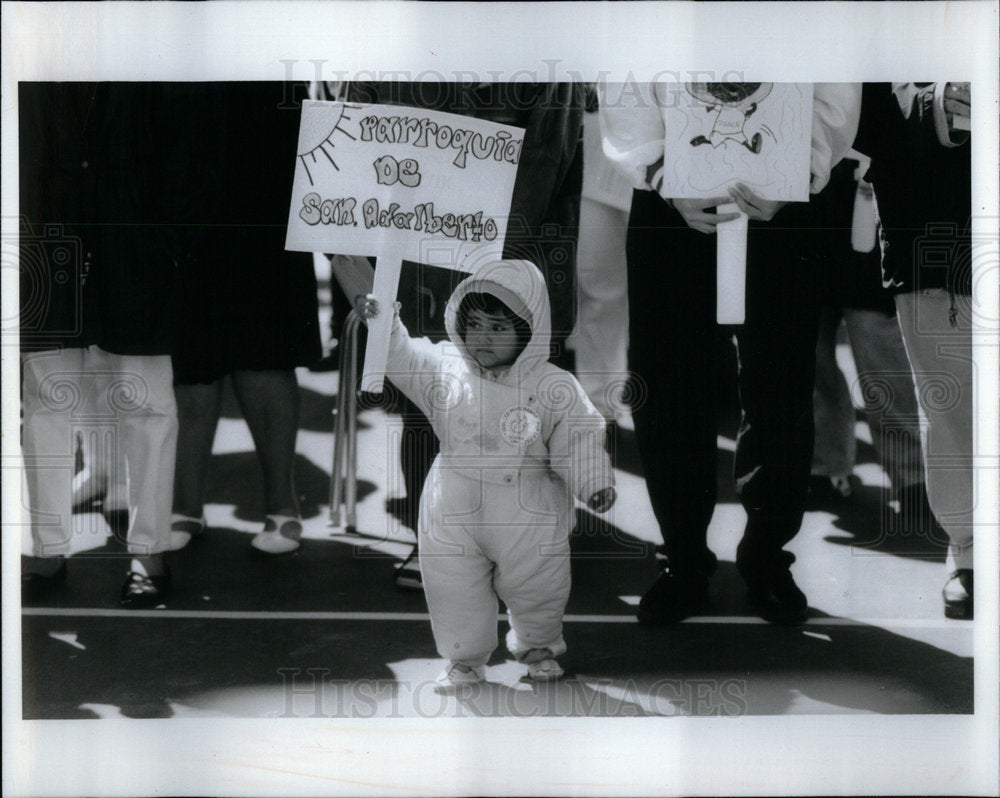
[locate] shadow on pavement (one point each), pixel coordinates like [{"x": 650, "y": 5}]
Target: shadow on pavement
[
  {"x": 772, "y": 670},
  {"x": 870, "y": 526}
]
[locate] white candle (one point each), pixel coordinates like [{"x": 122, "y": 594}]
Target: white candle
[{"x": 731, "y": 267}]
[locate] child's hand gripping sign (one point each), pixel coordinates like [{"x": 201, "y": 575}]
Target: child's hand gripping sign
[{"x": 401, "y": 183}]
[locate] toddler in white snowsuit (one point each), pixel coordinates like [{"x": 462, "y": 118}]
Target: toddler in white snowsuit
[{"x": 519, "y": 439}]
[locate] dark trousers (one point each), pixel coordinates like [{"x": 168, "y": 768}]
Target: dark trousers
[{"x": 674, "y": 360}]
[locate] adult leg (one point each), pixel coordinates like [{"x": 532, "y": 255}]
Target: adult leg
[
  {"x": 601, "y": 336},
  {"x": 53, "y": 391},
  {"x": 198, "y": 409},
  {"x": 777, "y": 357},
  {"x": 418, "y": 447},
  {"x": 835, "y": 450},
  {"x": 269, "y": 401},
  {"x": 893, "y": 415},
  {"x": 940, "y": 352},
  {"x": 139, "y": 394},
  {"x": 672, "y": 357}
]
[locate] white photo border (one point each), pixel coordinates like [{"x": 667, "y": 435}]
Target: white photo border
[{"x": 834, "y": 41}]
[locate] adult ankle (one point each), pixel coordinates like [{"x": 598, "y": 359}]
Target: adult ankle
[
  {"x": 45, "y": 566},
  {"x": 151, "y": 565}
]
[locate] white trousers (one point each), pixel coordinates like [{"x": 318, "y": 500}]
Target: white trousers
[
  {"x": 600, "y": 339},
  {"x": 886, "y": 383},
  {"x": 941, "y": 357},
  {"x": 480, "y": 541},
  {"x": 123, "y": 405}
]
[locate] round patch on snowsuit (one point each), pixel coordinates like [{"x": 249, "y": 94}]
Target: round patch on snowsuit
[{"x": 520, "y": 426}]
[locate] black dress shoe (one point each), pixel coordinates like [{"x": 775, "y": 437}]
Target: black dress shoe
[
  {"x": 778, "y": 600},
  {"x": 771, "y": 590},
  {"x": 35, "y": 587},
  {"x": 957, "y": 594},
  {"x": 673, "y": 597},
  {"x": 141, "y": 591}
]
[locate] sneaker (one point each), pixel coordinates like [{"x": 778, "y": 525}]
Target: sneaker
[
  {"x": 142, "y": 591},
  {"x": 407, "y": 574},
  {"x": 281, "y": 535},
  {"x": 957, "y": 595},
  {"x": 542, "y": 665},
  {"x": 458, "y": 676},
  {"x": 184, "y": 529},
  {"x": 771, "y": 590}
]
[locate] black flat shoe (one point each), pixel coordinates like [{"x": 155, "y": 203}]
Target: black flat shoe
[
  {"x": 771, "y": 590},
  {"x": 141, "y": 591},
  {"x": 957, "y": 595},
  {"x": 35, "y": 587},
  {"x": 779, "y": 600},
  {"x": 673, "y": 597}
]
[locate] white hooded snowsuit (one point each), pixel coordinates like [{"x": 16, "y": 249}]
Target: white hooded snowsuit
[{"x": 497, "y": 507}]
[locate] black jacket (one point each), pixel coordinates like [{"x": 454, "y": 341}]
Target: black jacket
[
  {"x": 97, "y": 258},
  {"x": 923, "y": 189}
]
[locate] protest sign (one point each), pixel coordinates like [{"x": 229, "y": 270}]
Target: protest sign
[{"x": 400, "y": 184}]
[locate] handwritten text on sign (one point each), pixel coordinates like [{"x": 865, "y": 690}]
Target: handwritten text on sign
[{"x": 428, "y": 186}]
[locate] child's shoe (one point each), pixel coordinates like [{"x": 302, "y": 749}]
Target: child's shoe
[
  {"x": 542, "y": 665},
  {"x": 458, "y": 676},
  {"x": 281, "y": 535}
]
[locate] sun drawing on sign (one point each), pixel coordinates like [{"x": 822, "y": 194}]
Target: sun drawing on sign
[{"x": 325, "y": 136}]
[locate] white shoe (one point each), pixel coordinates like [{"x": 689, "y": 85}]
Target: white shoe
[
  {"x": 281, "y": 535},
  {"x": 458, "y": 676},
  {"x": 542, "y": 666},
  {"x": 183, "y": 529}
]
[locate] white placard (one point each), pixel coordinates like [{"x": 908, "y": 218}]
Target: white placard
[
  {"x": 400, "y": 183},
  {"x": 428, "y": 186},
  {"x": 718, "y": 134}
]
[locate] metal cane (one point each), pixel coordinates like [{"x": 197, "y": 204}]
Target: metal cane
[{"x": 344, "y": 473}]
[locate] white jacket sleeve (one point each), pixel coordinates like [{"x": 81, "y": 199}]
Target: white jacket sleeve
[
  {"x": 632, "y": 128},
  {"x": 576, "y": 446},
  {"x": 413, "y": 364},
  {"x": 836, "y": 112}
]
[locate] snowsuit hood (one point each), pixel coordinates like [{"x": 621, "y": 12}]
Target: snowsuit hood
[{"x": 520, "y": 286}]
